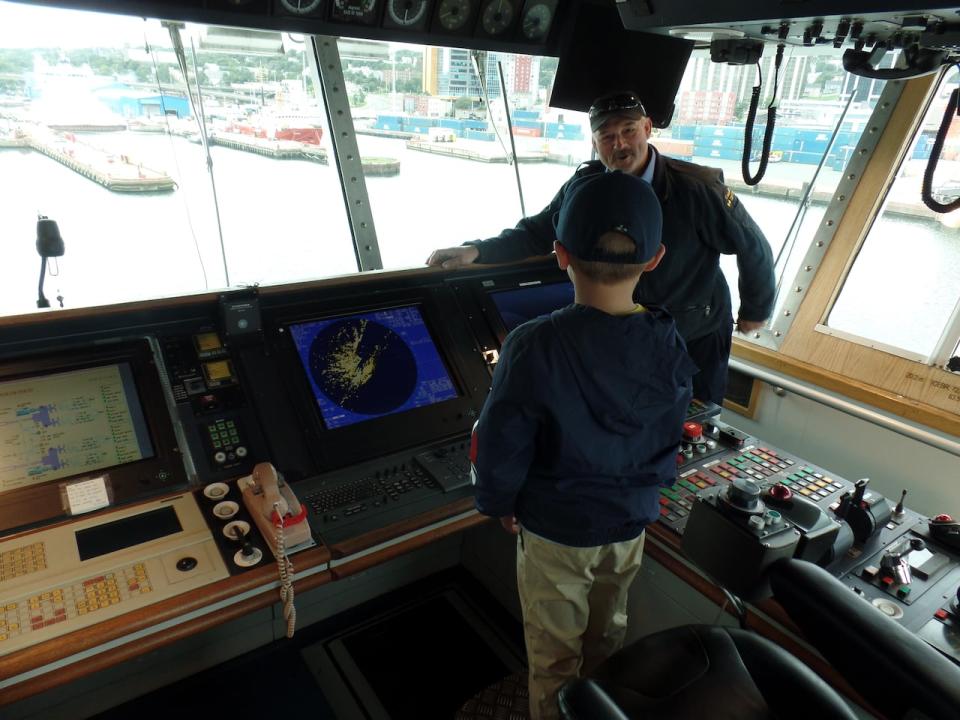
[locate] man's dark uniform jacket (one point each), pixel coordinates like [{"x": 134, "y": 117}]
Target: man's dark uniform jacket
[{"x": 701, "y": 220}]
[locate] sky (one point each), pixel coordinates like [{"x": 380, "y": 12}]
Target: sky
[{"x": 23, "y": 26}]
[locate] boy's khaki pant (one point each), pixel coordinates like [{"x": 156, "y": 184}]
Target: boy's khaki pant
[{"x": 574, "y": 603}]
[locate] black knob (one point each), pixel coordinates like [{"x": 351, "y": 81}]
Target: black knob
[
  {"x": 743, "y": 494},
  {"x": 186, "y": 564}
]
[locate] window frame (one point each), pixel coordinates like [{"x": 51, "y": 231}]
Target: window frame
[{"x": 887, "y": 378}]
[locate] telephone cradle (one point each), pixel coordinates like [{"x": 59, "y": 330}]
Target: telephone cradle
[{"x": 279, "y": 515}]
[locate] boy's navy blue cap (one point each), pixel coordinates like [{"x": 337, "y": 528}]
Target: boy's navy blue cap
[{"x": 596, "y": 204}]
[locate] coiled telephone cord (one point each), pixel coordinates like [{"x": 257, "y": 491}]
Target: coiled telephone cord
[{"x": 285, "y": 568}]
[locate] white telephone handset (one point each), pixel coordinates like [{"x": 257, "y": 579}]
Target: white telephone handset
[
  {"x": 282, "y": 521},
  {"x": 275, "y": 509}
]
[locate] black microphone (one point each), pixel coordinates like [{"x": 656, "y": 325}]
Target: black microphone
[{"x": 49, "y": 244}]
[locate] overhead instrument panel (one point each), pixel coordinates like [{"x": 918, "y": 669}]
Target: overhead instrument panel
[
  {"x": 920, "y": 29},
  {"x": 524, "y": 26}
]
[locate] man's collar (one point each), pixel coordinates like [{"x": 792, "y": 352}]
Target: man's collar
[{"x": 647, "y": 173}]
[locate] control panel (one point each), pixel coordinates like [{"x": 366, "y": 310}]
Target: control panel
[
  {"x": 65, "y": 578},
  {"x": 211, "y": 405},
  {"x": 363, "y": 497},
  {"x": 740, "y": 504}
]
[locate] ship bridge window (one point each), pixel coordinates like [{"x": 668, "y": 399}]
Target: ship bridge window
[
  {"x": 434, "y": 140},
  {"x": 822, "y": 112},
  {"x": 168, "y": 173},
  {"x": 902, "y": 292}
]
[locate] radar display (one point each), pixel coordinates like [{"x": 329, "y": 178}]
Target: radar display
[
  {"x": 64, "y": 424},
  {"x": 368, "y": 365}
]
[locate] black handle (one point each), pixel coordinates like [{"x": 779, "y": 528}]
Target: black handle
[{"x": 920, "y": 61}]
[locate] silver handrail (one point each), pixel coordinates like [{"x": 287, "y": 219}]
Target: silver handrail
[{"x": 877, "y": 418}]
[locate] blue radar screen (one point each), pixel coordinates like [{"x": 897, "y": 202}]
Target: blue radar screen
[{"x": 368, "y": 365}]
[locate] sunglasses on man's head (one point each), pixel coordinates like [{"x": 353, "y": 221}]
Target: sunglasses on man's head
[{"x": 614, "y": 103}]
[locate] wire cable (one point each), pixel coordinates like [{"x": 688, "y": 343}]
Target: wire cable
[
  {"x": 952, "y": 109},
  {"x": 176, "y": 161},
  {"x": 771, "y": 123}
]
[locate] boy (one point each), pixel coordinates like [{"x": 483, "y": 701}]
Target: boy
[{"x": 579, "y": 431}]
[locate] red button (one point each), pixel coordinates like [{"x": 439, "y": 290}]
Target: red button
[
  {"x": 941, "y": 614},
  {"x": 781, "y": 492},
  {"x": 692, "y": 430}
]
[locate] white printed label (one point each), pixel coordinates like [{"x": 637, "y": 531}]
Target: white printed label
[{"x": 87, "y": 496}]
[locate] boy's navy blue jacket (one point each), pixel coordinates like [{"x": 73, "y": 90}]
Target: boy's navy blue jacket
[{"x": 582, "y": 424}]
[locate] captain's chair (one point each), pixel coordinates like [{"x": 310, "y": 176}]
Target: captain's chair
[{"x": 704, "y": 671}]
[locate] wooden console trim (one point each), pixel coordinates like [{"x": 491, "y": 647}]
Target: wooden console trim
[
  {"x": 414, "y": 543},
  {"x": 89, "y": 638}
]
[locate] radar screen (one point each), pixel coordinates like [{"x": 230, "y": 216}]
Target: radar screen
[
  {"x": 364, "y": 366},
  {"x": 527, "y": 302}
]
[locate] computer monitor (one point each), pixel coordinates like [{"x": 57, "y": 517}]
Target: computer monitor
[
  {"x": 369, "y": 381},
  {"x": 529, "y": 301},
  {"x": 363, "y": 366},
  {"x": 82, "y": 428}
]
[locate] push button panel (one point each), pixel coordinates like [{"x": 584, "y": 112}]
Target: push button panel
[{"x": 760, "y": 463}]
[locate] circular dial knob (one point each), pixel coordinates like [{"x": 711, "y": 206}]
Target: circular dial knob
[
  {"x": 406, "y": 12},
  {"x": 453, "y": 14},
  {"x": 744, "y": 495},
  {"x": 300, "y": 7},
  {"x": 496, "y": 16},
  {"x": 536, "y": 21}
]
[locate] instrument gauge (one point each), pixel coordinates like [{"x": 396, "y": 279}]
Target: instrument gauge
[
  {"x": 355, "y": 11},
  {"x": 453, "y": 14},
  {"x": 406, "y": 13},
  {"x": 300, "y": 7},
  {"x": 535, "y": 21},
  {"x": 496, "y": 16}
]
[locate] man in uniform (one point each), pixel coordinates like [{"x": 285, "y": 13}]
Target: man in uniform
[{"x": 702, "y": 219}]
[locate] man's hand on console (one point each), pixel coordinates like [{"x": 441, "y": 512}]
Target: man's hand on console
[
  {"x": 509, "y": 523},
  {"x": 450, "y": 258},
  {"x": 746, "y": 326}
]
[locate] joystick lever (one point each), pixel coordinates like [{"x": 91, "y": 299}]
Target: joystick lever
[
  {"x": 895, "y": 561},
  {"x": 865, "y": 512}
]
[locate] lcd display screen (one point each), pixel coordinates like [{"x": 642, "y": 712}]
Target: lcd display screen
[
  {"x": 63, "y": 424},
  {"x": 364, "y": 366},
  {"x": 518, "y": 305}
]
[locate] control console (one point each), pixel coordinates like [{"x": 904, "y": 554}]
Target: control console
[
  {"x": 369, "y": 495},
  {"x": 739, "y": 505},
  {"x": 211, "y": 405}
]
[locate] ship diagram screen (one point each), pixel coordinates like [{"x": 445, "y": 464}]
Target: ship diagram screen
[
  {"x": 64, "y": 424},
  {"x": 366, "y": 365}
]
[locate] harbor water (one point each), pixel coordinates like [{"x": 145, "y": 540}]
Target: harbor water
[{"x": 284, "y": 220}]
